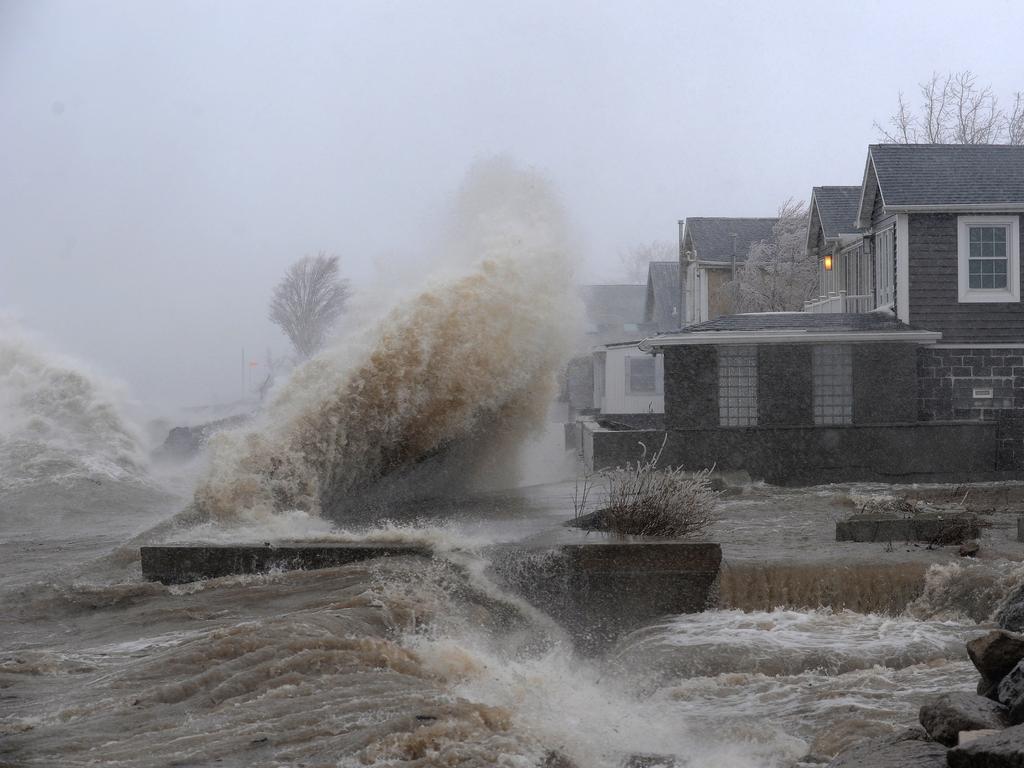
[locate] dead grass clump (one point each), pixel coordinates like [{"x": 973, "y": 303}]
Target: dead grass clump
[{"x": 646, "y": 501}]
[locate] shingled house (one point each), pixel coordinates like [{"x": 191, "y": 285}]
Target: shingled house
[
  {"x": 910, "y": 365},
  {"x": 710, "y": 250},
  {"x": 845, "y": 275}
]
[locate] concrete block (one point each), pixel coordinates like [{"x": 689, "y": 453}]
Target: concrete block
[
  {"x": 601, "y": 590},
  {"x": 195, "y": 562},
  {"x": 946, "y": 530}
]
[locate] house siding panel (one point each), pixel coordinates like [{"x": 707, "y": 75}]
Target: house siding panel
[
  {"x": 691, "y": 387},
  {"x": 934, "y": 301},
  {"x": 784, "y": 385},
  {"x": 884, "y": 383}
]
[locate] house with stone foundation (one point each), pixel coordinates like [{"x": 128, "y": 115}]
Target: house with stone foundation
[{"x": 908, "y": 366}]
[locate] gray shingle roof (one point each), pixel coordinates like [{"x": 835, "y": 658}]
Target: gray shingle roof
[
  {"x": 712, "y": 236},
  {"x": 837, "y": 209},
  {"x": 800, "y": 321},
  {"x": 949, "y": 174},
  {"x": 663, "y": 295},
  {"x": 609, "y": 308}
]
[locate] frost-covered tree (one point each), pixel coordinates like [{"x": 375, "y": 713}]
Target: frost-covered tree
[
  {"x": 955, "y": 109},
  {"x": 634, "y": 262},
  {"x": 778, "y": 275},
  {"x": 307, "y": 302}
]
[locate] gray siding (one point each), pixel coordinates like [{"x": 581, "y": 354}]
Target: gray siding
[
  {"x": 691, "y": 387},
  {"x": 884, "y": 383},
  {"x": 934, "y": 300}
]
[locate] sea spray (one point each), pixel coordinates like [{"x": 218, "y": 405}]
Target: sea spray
[
  {"x": 59, "y": 422},
  {"x": 464, "y": 368}
]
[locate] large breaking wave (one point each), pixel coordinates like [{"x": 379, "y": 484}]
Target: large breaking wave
[
  {"x": 58, "y": 422},
  {"x": 461, "y": 370}
]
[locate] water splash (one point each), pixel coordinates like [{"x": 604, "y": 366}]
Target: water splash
[
  {"x": 461, "y": 370},
  {"x": 58, "y": 422}
]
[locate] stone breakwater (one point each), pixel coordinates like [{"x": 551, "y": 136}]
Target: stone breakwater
[{"x": 960, "y": 729}]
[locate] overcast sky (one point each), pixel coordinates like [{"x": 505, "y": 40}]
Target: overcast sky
[{"x": 162, "y": 162}]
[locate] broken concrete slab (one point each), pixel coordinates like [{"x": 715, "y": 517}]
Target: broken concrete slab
[
  {"x": 1004, "y": 749},
  {"x": 185, "y": 563},
  {"x": 940, "y": 530}
]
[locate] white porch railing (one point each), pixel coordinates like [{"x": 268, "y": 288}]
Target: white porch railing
[{"x": 840, "y": 302}]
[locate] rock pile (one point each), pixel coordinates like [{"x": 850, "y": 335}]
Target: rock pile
[{"x": 962, "y": 730}]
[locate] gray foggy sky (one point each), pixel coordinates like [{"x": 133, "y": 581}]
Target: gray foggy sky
[{"x": 162, "y": 163}]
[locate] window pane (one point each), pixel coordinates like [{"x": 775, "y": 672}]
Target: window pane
[
  {"x": 737, "y": 385},
  {"x": 640, "y": 375},
  {"x": 832, "y": 369}
]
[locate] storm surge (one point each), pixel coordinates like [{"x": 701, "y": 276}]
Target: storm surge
[
  {"x": 455, "y": 374},
  {"x": 59, "y": 423}
]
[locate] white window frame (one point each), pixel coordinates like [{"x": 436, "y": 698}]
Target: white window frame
[
  {"x": 656, "y": 389},
  {"x": 1007, "y": 295}
]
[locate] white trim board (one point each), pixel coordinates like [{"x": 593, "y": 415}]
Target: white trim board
[{"x": 787, "y": 337}]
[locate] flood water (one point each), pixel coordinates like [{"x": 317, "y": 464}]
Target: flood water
[{"x": 417, "y": 662}]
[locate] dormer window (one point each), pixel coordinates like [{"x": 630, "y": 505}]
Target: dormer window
[{"x": 988, "y": 255}]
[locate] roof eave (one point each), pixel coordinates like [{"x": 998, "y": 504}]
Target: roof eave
[
  {"x": 953, "y": 207},
  {"x": 791, "y": 336},
  {"x": 869, "y": 166}
]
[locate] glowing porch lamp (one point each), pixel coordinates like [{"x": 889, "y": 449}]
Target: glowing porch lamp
[{"x": 828, "y": 263}]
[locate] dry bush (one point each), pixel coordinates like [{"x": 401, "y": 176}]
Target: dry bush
[{"x": 646, "y": 501}]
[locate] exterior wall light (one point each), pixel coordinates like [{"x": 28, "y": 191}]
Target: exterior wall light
[{"x": 828, "y": 263}]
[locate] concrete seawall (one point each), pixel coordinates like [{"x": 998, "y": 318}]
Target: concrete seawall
[
  {"x": 186, "y": 563},
  {"x": 601, "y": 590},
  {"x": 598, "y": 590}
]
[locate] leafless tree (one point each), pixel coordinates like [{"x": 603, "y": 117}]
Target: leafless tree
[
  {"x": 308, "y": 301},
  {"x": 636, "y": 260},
  {"x": 955, "y": 109},
  {"x": 779, "y": 275}
]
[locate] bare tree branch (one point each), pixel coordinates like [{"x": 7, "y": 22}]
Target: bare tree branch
[
  {"x": 308, "y": 301},
  {"x": 954, "y": 109}
]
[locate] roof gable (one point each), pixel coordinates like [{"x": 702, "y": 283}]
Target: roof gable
[
  {"x": 712, "y": 237},
  {"x": 837, "y": 209},
  {"x": 662, "y": 305},
  {"x": 947, "y": 176}
]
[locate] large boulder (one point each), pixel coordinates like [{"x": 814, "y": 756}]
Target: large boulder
[
  {"x": 996, "y": 653},
  {"x": 1011, "y": 615},
  {"x": 951, "y": 713},
  {"x": 1000, "y": 750},
  {"x": 899, "y": 750},
  {"x": 1011, "y": 693}
]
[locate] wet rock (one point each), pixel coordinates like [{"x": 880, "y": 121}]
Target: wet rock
[
  {"x": 949, "y": 714},
  {"x": 1011, "y": 693},
  {"x": 1004, "y": 749},
  {"x": 996, "y": 653},
  {"x": 555, "y": 759},
  {"x": 1011, "y": 615},
  {"x": 906, "y": 749},
  {"x": 988, "y": 688},
  {"x": 969, "y": 549}
]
